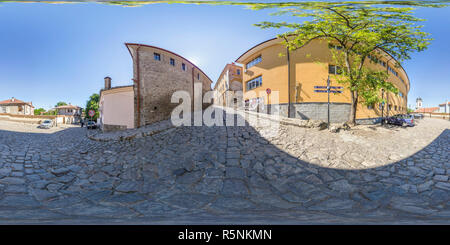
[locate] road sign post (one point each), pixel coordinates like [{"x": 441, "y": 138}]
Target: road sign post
[
  {"x": 91, "y": 114},
  {"x": 268, "y": 91},
  {"x": 328, "y": 92},
  {"x": 328, "y": 89}
]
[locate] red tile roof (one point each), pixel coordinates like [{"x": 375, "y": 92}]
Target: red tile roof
[
  {"x": 448, "y": 103},
  {"x": 68, "y": 107},
  {"x": 15, "y": 102},
  {"x": 429, "y": 109}
]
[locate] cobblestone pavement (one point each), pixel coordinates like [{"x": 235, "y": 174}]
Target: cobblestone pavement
[{"x": 231, "y": 175}]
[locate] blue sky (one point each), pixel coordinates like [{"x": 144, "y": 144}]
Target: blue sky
[{"x": 61, "y": 52}]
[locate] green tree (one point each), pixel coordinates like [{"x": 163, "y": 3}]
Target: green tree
[
  {"x": 362, "y": 31},
  {"x": 92, "y": 104},
  {"x": 61, "y": 103},
  {"x": 50, "y": 112},
  {"x": 39, "y": 111}
]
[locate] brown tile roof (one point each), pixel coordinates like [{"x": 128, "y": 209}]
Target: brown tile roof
[
  {"x": 448, "y": 103},
  {"x": 429, "y": 109},
  {"x": 15, "y": 102},
  {"x": 68, "y": 107}
]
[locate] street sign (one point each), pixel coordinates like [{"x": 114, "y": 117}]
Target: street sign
[
  {"x": 91, "y": 113},
  {"x": 325, "y": 91},
  {"x": 268, "y": 91},
  {"x": 331, "y": 87}
]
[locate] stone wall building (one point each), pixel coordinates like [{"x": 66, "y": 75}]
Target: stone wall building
[
  {"x": 301, "y": 75},
  {"x": 16, "y": 107},
  {"x": 157, "y": 74},
  {"x": 229, "y": 80}
]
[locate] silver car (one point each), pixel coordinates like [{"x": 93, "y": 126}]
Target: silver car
[{"x": 46, "y": 124}]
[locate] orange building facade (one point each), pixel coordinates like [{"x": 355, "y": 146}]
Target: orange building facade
[
  {"x": 229, "y": 80},
  {"x": 299, "y": 77}
]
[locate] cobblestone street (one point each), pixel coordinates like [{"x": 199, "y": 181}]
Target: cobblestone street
[{"x": 228, "y": 175}]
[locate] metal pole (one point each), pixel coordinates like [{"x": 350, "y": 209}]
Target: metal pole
[
  {"x": 382, "y": 106},
  {"x": 328, "y": 92},
  {"x": 289, "y": 82}
]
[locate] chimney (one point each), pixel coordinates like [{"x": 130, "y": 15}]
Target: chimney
[{"x": 107, "y": 83}]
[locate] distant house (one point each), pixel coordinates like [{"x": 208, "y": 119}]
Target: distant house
[
  {"x": 16, "y": 107},
  {"x": 428, "y": 110},
  {"x": 230, "y": 80},
  {"x": 445, "y": 107},
  {"x": 71, "y": 113}
]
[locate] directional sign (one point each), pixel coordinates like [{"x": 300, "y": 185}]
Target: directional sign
[
  {"x": 268, "y": 91},
  {"x": 331, "y": 91},
  {"x": 331, "y": 87},
  {"x": 91, "y": 113}
]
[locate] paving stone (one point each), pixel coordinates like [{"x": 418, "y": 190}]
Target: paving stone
[
  {"x": 127, "y": 186},
  {"x": 12, "y": 181},
  {"x": 342, "y": 186},
  {"x": 424, "y": 186},
  {"x": 444, "y": 186},
  {"x": 190, "y": 177},
  {"x": 442, "y": 178},
  {"x": 98, "y": 177},
  {"x": 235, "y": 172},
  {"x": 60, "y": 171},
  {"x": 43, "y": 195},
  {"x": 234, "y": 187},
  {"x": 17, "y": 166}
]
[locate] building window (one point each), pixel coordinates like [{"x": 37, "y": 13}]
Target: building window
[
  {"x": 157, "y": 56},
  {"x": 333, "y": 46},
  {"x": 395, "y": 107},
  {"x": 380, "y": 106},
  {"x": 400, "y": 94},
  {"x": 183, "y": 66},
  {"x": 370, "y": 107},
  {"x": 238, "y": 71},
  {"x": 336, "y": 70},
  {"x": 254, "y": 83},
  {"x": 389, "y": 107},
  {"x": 198, "y": 76},
  {"x": 172, "y": 62},
  {"x": 253, "y": 62}
]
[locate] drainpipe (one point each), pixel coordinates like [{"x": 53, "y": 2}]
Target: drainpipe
[
  {"x": 289, "y": 82},
  {"x": 138, "y": 87},
  {"x": 193, "y": 93},
  {"x": 387, "y": 94}
]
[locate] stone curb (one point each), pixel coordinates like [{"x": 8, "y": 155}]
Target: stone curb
[{"x": 129, "y": 137}]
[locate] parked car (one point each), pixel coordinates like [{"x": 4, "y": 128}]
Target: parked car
[
  {"x": 418, "y": 116},
  {"x": 91, "y": 125},
  {"x": 46, "y": 124},
  {"x": 401, "y": 120},
  {"x": 394, "y": 120},
  {"x": 409, "y": 119}
]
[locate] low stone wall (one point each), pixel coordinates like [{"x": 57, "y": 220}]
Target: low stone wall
[
  {"x": 32, "y": 119},
  {"x": 339, "y": 112},
  {"x": 112, "y": 128},
  {"x": 368, "y": 121}
]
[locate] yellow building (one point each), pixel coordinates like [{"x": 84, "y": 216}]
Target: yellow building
[
  {"x": 301, "y": 75},
  {"x": 229, "y": 80}
]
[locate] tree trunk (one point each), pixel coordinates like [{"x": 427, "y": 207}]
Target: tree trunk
[{"x": 353, "y": 107}]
